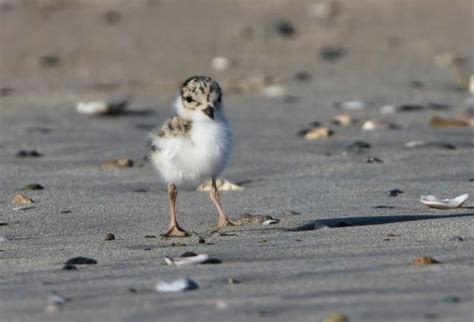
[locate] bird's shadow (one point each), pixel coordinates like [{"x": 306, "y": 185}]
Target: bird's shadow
[{"x": 367, "y": 221}]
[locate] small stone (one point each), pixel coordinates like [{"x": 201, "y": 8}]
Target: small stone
[
  {"x": 21, "y": 199},
  {"x": 80, "y": 261},
  {"x": 336, "y": 317},
  {"x": 6, "y": 91},
  {"x": 284, "y": 28},
  {"x": 324, "y": 10},
  {"x": 417, "y": 84},
  {"x": 471, "y": 180},
  {"x": 201, "y": 240},
  {"x": 410, "y": 108},
  {"x": 220, "y": 63},
  {"x": 318, "y": 133},
  {"x": 373, "y": 160},
  {"x": 387, "y": 109},
  {"x": 33, "y": 186},
  {"x": 132, "y": 290},
  {"x": 65, "y": 212},
  {"x": 28, "y": 154},
  {"x": 49, "y": 61},
  {"x": 150, "y": 236},
  {"x": 451, "y": 299},
  {"x": 384, "y": 207},
  {"x": 437, "y": 121},
  {"x": 351, "y": 105},
  {"x": 109, "y": 236},
  {"x": 424, "y": 260},
  {"x": 342, "y": 120},
  {"x": 393, "y": 235},
  {"x": 331, "y": 53},
  {"x": 395, "y": 192},
  {"x": 303, "y": 77},
  {"x": 233, "y": 281},
  {"x": 274, "y": 91},
  {"x": 112, "y": 17},
  {"x": 117, "y": 164},
  {"x": 69, "y": 267},
  {"x": 139, "y": 190},
  {"x": 456, "y": 238},
  {"x": 358, "y": 146}
]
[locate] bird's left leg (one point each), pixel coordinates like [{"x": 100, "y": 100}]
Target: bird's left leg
[{"x": 223, "y": 219}]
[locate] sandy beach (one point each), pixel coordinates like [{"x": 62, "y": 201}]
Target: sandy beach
[{"x": 343, "y": 244}]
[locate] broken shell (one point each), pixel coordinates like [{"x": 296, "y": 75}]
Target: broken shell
[
  {"x": 433, "y": 202},
  {"x": 180, "y": 285},
  {"x": 424, "y": 260},
  {"x": 117, "y": 164},
  {"x": 21, "y": 199},
  {"x": 342, "y": 120},
  {"x": 221, "y": 184},
  {"x": 371, "y": 125},
  {"x": 318, "y": 133},
  {"x": 387, "y": 109},
  {"x": 187, "y": 260},
  {"x": 102, "y": 107},
  {"x": 220, "y": 63},
  {"x": 336, "y": 317},
  {"x": 54, "y": 302},
  {"x": 437, "y": 121},
  {"x": 274, "y": 91},
  {"x": 22, "y": 208},
  {"x": 270, "y": 222}
]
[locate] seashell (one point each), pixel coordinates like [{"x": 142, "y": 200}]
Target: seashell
[
  {"x": 437, "y": 121},
  {"x": 324, "y": 10},
  {"x": 270, "y": 222},
  {"x": 117, "y": 164},
  {"x": 433, "y": 202},
  {"x": 221, "y": 183},
  {"x": 21, "y": 199},
  {"x": 336, "y": 317},
  {"x": 371, "y": 125},
  {"x": 424, "y": 260},
  {"x": 274, "y": 91},
  {"x": 220, "y": 63},
  {"x": 342, "y": 120},
  {"x": 102, "y": 107},
  {"x": 180, "y": 285},
  {"x": 188, "y": 260},
  {"x": 318, "y": 133},
  {"x": 22, "y": 208},
  {"x": 54, "y": 302}
]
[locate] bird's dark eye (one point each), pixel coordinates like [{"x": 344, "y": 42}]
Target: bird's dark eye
[{"x": 188, "y": 99}]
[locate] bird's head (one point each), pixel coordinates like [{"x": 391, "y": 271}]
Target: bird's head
[{"x": 200, "y": 99}]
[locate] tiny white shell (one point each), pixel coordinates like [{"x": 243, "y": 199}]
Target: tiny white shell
[
  {"x": 102, "y": 107},
  {"x": 274, "y": 91},
  {"x": 189, "y": 260},
  {"x": 220, "y": 63},
  {"x": 270, "y": 222},
  {"x": 222, "y": 185},
  {"x": 433, "y": 202},
  {"x": 180, "y": 285}
]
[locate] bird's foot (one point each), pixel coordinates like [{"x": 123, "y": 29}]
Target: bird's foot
[
  {"x": 175, "y": 231},
  {"x": 225, "y": 222}
]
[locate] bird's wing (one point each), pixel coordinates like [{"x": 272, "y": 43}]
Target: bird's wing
[{"x": 171, "y": 137}]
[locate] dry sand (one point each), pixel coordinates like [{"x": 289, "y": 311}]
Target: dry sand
[{"x": 355, "y": 258}]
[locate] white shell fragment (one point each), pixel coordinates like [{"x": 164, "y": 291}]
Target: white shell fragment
[
  {"x": 274, "y": 91},
  {"x": 353, "y": 105},
  {"x": 270, "y": 222},
  {"x": 54, "y": 302},
  {"x": 19, "y": 208},
  {"x": 371, "y": 125},
  {"x": 471, "y": 84},
  {"x": 222, "y": 185},
  {"x": 433, "y": 202},
  {"x": 102, "y": 107},
  {"x": 180, "y": 285},
  {"x": 220, "y": 63},
  {"x": 188, "y": 260}
]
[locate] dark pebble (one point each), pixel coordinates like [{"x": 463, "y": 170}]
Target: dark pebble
[
  {"x": 452, "y": 299},
  {"x": 315, "y": 124},
  {"x": 417, "y": 84},
  {"x": 147, "y": 248},
  {"x": 410, "y": 107},
  {"x": 383, "y": 207},
  {"x": 6, "y": 91},
  {"x": 112, "y": 17},
  {"x": 49, "y": 61},
  {"x": 303, "y": 77},
  {"x": 150, "y": 236},
  {"x": 188, "y": 254},
  {"x": 373, "y": 160},
  {"x": 65, "y": 212},
  {"x": 284, "y": 28},
  {"x": 3, "y": 224},
  {"x": 201, "y": 240},
  {"x": 69, "y": 267},
  {"x": 290, "y": 99},
  {"x": 81, "y": 261},
  {"x": 132, "y": 290},
  {"x": 140, "y": 190},
  {"x": 456, "y": 238},
  {"x": 395, "y": 192},
  {"x": 109, "y": 236},
  {"x": 28, "y": 154},
  {"x": 471, "y": 180},
  {"x": 331, "y": 53},
  {"x": 358, "y": 146},
  {"x": 33, "y": 186}
]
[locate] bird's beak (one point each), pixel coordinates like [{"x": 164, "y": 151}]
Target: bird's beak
[{"x": 209, "y": 111}]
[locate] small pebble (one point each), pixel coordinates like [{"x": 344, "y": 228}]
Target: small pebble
[
  {"x": 49, "y": 61},
  {"x": 438, "y": 106},
  {"x": 342, "y": 120},
  {"x": 451, "y": 299},
  {"x": 150, "y": 236},
  {"x": 6, "y": 91},
  {"x": 456, "y": 238},
  {"x": 318, "y": 133},
  {"x": 112, "y": 17},
  {"x": 139, "y": 190},
  {"x": 384, "y": 207},
  {"x": 33, "y": 186},
  {"x": 284, "y": 28},
  {"x": 324, "y": 10},
  {"x": 387, "y": 109},
  {"x": 80, "y": 261},
  {"x": 358, "y": 146},
  {"x": 373, "y": 160},
  {"x": 117, "y": 164},
  {"x": 109, "y": 236},
  {"x": 21, "y": 199},
  {"x": 336, "y": 317},
  {"x": 395, "y": 192},
  {"x": 201, "y": 240},
  {"x": 220, "y": 63},
  {"x": 233, "y": 281},
  {"x": 410, "y": 108},
  {"x": 28, "y": 154},
  {"x": 331, "y": 53},
  {"x": 303, "y": 77},
  {"x": 69, "y": 267},
  {"x": 424, "y": 260},
  {"x": 65, "y": 211}
]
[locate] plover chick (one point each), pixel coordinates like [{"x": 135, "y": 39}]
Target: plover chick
[{"x": 193, "y": 145}]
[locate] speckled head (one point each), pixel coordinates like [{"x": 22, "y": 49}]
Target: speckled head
[{"x": 200, "y": 95}]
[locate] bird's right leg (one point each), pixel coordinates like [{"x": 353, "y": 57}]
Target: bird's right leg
[{"x": 175, "y": 230}]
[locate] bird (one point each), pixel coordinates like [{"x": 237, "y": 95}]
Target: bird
[{"x": 193, "y": 145}]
